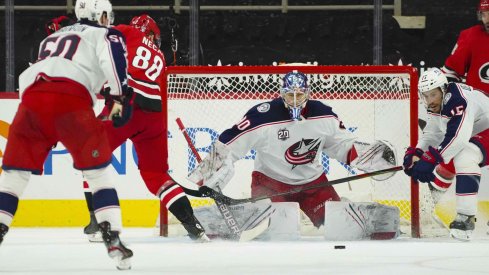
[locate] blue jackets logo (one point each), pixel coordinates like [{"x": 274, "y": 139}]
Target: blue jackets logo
[{"x": 302, "y": 152}]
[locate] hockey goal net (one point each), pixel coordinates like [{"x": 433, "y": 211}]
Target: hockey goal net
[{"x": 374, "y": 102}]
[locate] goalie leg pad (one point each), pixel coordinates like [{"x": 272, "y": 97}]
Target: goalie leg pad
[
  {"x": 246, "y": 215},
  {"x": 312, "y": 203},
  {"x": 345, "y": 221}
]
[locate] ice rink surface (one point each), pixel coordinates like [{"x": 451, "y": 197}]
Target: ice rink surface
[{"x": 66, "y": 251}]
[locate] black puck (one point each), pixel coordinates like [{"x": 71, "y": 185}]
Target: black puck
[{"x": 339, "y": 247}]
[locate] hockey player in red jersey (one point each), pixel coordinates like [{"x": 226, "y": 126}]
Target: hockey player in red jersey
[
  {"x": 147, "y": 129},
  {"x": 469, "y": 59},
  {"x": 57, "y": 94}
]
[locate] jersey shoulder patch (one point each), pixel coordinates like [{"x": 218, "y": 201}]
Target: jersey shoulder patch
[
  {"x": 454, "y": 101},
  {"x": 263, "y": 108},
  {"x": 266, "y": 112},
  {"x": 258, "y": 115}
]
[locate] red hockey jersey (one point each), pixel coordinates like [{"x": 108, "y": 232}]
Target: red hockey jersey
[
  {"x": 145, "y": 68},
  {"x": 470, "y": 58}
]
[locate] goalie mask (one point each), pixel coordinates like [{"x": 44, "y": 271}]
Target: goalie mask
[
  {"x": 432, "y": 87},
  {"x": 295, "y": 93},
  {"x": 148, "y": 26}
]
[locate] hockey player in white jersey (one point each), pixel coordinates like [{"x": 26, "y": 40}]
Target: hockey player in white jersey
[
  {"x": 458, "y": 117},
  {"x": 289, "y": 134},
  {"x": 57, "y": 94}
]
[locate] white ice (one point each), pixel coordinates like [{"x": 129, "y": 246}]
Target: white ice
[{"x": 66, "y": 251}]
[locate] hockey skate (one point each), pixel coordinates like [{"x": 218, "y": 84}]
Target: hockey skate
[
  {"x": 116, "y": 249},
  {"x": 195, "y": 230},
  {"x": 92, "y": 231},
  {"x": 462, "y": 227},
  {"x": 3, "y": 231}
]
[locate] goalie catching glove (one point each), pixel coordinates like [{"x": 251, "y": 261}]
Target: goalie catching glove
[
  {"x": 369, "y": 157},
  {"x": 216, "y": 170}
]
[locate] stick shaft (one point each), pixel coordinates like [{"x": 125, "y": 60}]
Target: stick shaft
[
  {"x": 189, "y": 141},
  {"x": 223, "y": 208},
  {"x": 320, "y": 185}
]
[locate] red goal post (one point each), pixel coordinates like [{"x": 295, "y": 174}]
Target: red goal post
[{"x": 375, "y": 102}]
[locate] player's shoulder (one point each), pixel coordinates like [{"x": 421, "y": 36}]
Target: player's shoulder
[
  {"x": 455, "y": 96},
  {"x": 316, "y": 108},
  {"x": 472, "y": 32},
  {"x": 269, "y": 111},
  {"x": 127, "y": 30}
]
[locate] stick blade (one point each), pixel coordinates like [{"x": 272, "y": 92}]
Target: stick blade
[{"x": 250, "y": 234}]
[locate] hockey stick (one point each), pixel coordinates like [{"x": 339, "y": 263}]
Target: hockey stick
[
  {"x": 244, "y": 234},
  {"x": 230, "y": 201}
]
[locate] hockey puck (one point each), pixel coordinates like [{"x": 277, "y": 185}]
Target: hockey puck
[{"x": 339, "y": 247}]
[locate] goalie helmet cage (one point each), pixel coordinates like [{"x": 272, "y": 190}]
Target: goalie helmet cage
[{"x": 374, "y": 102}]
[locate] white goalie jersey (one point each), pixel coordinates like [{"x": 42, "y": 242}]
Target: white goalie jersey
[{"x": 288, "y": 151}]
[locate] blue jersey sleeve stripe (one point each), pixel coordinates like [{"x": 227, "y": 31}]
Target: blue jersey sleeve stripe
[
  {"x": 118, "y": 56},
  {"x": 453, "y": 128},
  {"x": 229, "y": 136}
]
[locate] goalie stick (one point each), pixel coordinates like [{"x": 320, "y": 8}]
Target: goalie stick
[
  {"x": 240, "y": 234},
  {"x": 230, "y": 201}
]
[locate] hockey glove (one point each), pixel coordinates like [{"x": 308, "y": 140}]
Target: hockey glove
[
  {"x": 411, "y": 152},
  {"x": 423, "y": 169},
  {"x": 57, "y": 23},
  {"x": 123, "y": 116}
]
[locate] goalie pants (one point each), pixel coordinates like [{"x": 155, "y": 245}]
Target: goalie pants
[
  {"x": 310, "y": 201},
  {"x": 52, "y": 112}
]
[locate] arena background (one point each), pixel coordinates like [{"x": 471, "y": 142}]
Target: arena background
[{"x": 325, "y": 37}]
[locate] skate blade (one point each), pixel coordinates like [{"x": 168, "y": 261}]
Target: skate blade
[
  {"x": 121, "y": 262},
  {"x": 95, "y": 237},
  {"x": 461, "y": 235},
  {"x": 203, "y": 239}
]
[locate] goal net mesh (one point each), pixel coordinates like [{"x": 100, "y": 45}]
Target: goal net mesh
[{"x": 373, "y": 102}]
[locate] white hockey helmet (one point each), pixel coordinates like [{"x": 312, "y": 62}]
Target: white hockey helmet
[
  {"x": 93, "y": 10},
  {"x": 431, "y": 79}
]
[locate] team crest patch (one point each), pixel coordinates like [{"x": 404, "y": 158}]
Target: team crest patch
[
  {"x": 447, "y": 98},
  {"x": 95, "y": 154},
  {"x": 263, "y": 108},
  {"x": 302, "y": 152}
]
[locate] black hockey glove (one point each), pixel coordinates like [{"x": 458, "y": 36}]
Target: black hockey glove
[{"x": 127, "y": 101}]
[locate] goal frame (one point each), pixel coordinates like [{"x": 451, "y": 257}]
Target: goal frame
[{"x": 353, "y": 69}]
